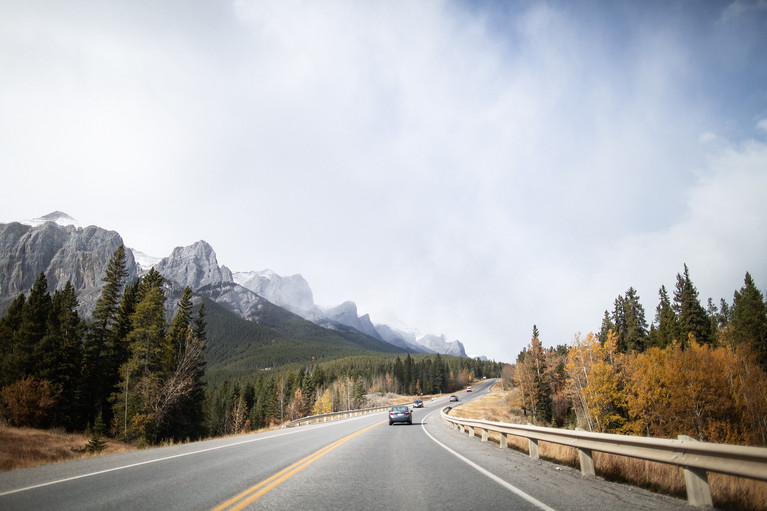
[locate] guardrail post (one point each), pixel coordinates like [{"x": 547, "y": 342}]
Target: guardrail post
[
  {"x": 586, "y": 460},
  {"x": 504, "y": 443},
  {"x": 532, "y": 448},
  {"x": 696, "y": 481},
  {"x": 471, "y": 431},
  {"x": 484, "y": 435}
]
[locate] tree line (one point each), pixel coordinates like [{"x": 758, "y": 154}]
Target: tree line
[
  {"x": 273, "y": 397},
  {"x": 133, "y": 374},
  {"x": 699, "y": 371},
  {"x": 127, "y": 368}
]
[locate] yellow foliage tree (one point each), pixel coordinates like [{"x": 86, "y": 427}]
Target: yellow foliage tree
[
  {"x": 714, "y": 394},
  {"x": 596, "y": 384},
  {"x": 324, "y": 404}
]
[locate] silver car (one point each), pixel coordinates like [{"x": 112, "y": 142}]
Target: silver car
[{"x": 400, "y": 413}]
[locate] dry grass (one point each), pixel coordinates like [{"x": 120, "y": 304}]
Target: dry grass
[
  {"x": 27, "y": 447},
  {"x": 727, "y": 492}
]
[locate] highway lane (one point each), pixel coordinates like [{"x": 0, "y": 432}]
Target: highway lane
[
  {"x": 351, "y": 464},
  {"x": 198, "y": 475},
  {"x": 429, "y": 466}
]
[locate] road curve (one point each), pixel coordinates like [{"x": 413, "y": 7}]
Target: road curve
[{"x": 357, "y": 463}]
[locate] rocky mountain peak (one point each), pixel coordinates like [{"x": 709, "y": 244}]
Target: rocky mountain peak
[{"x": 194, "y": 266}]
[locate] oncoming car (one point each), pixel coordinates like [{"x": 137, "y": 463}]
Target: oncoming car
[
  {"x": 417, "y": 403},
  {"x": 400, "y": 413}
]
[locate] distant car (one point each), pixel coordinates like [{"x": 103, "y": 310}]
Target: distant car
[
  {"x": 417, "y": 403},
  {"x": 400, "y": 413},
  {"x": 468, "y": 389},
  {"x": 453, "y": 398}
]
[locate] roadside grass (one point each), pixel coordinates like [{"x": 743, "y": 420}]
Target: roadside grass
[
  {"x": 727, "y": 492},
  {"x": 28, "y": 447}
]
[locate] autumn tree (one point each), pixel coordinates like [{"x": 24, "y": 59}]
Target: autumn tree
[
  {"x": 595, "y": 382},
  {"x": 533, "y": 380}
]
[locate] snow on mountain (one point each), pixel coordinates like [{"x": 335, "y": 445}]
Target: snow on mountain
[
  {"x": 440, "y": 344},
  {"x": 196, "y": 266},
  {"x": 144, "y": 261},
  {"x": 346, "y": 314},
  {"x": 56, "y": 217},
  {"x": 406, "y": 340},
  {"x": 292, "y": 292}
]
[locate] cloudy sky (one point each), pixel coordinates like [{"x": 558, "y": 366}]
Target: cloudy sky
[{"x": 466, "y": 168}]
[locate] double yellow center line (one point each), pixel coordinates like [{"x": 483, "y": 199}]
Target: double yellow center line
[{"x": 256, "y": 492}]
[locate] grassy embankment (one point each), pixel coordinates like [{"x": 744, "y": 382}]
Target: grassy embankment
[
  {"x": 28, "y": 447},
  {"x": 727, "y": 492}
]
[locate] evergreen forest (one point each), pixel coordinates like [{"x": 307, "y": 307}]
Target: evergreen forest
[{"x": 135, "y": 372}]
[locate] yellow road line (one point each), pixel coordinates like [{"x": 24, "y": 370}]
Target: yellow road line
[{"x": 254, "y": 493}]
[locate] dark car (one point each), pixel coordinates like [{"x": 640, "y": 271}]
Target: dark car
[
  {"x": 417, "y": 403},
  {"x": 453, "y": 398},
  {"x": 400, "y": 413}
]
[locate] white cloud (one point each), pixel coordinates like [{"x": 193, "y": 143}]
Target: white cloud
[{"x": 475, "y": 169}]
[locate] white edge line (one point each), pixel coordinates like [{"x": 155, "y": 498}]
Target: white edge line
[
  {"x": 513, "y": 489},
  {"x": 147, "y": 462}
]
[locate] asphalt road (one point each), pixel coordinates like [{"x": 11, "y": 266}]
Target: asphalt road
[{"x": 357, "y": 463}]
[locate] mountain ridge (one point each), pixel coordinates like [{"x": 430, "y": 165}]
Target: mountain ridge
[{"x": 63, "y": 249}]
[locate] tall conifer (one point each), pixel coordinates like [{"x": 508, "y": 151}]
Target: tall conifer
[{"x": 749, "y": 318}]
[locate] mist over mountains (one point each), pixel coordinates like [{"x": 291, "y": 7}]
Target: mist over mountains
[{"x": 66, "y": 251}]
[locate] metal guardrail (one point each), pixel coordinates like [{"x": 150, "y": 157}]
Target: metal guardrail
[
  {"x": 695, "y": 458},
  {"x": 334, "y": 416}
]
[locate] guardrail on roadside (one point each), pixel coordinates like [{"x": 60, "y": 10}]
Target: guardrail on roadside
[
  {"x": 695, "y": 458},
  {"x": 334, "y": 416}
]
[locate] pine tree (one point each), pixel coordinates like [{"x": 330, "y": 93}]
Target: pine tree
[
  {"x": 33, "y": 327},
  {"x": 607, "y": 326},
  {"x": 179, "y": 326},
  {"x": 691, "y": 315},
  {"x": 749, "y": 318},
  {"x": 139, "y": 392},
  {"x": 10, "y": 351},
  {"x": 635, "y": 334},
  {"x": 98, "y": 359},
  {"x": 664, "y": 328},
  {"x": 62, "y": 346}
]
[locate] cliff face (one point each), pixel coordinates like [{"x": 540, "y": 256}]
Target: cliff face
[
  {"x": 195, "y": 266},
  {"x": 63, "y": 253}
]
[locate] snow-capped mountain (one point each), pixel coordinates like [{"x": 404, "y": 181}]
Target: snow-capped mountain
[
  {"x": 59, "y": 246},
  {"x": 56, "y": 217},
  {"x": 440, "y": 344},
  {"x": 292, "y": 293},
  {"x": 346, "y": 314}
]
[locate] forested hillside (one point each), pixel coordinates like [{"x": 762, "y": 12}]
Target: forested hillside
[
  {"x": 135, "y": 372},
  {"x": 695, "y": 371},
  {"x": 126, "y": 368},
  {"x": 280, "y": 337}
]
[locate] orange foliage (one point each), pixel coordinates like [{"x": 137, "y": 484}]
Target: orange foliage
[
  {"x": 714, "y": 394},
  {"x": 28, "y": 401},
  {"x": 596, "y": 384}
]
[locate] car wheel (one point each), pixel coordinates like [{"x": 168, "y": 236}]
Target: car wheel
[{"x": 390, "y": 423}]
